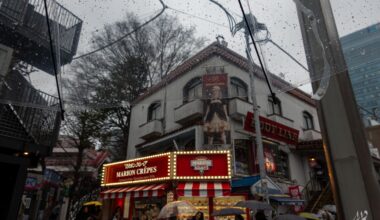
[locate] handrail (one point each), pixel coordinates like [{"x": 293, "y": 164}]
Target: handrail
[
  {"x": 41, "y": 124},
  {"x": 30, "y": 14},
  {"x": 324, "y": 191}
]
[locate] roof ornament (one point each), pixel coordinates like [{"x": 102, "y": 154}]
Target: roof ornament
[{"x": 221, "y": 41}]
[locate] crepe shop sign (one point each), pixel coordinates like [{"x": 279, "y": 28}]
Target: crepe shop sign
[
  {"x": 152, "y": 168},
  {"x": 138, "y": 168},
  {"x": 201, "y": 164}
]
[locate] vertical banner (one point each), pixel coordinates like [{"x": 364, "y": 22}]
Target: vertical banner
[{"x": 216, "y": 122}]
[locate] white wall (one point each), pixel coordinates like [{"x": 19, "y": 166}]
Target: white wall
[{"x": 292, "y": 107}]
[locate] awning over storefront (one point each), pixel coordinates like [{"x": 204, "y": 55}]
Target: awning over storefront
[
  {"x": 204, "y": 189},
  {"x": 154, "y": 190},
  {"x": 287, "y": 201}
]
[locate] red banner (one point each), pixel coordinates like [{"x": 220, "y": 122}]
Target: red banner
[
  {"x": 216, "y": 124},
  {"x": 272, "y": 129},
  {"x": 294, "y": 192},
  {"x": 202, "y": 165},
  {"x": 138, "y": 170}
]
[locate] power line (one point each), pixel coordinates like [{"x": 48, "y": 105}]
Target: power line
[
  {"x": 257, "y": 52},
  {"x": 54, "y": 61},
  {"x": 195, "y": 16},
  {"x": 125, "y": 35}
]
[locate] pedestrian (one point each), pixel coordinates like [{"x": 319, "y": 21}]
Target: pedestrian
[
  {"x": 260, "y": 216},
  {"x": 117, "y": 214},
  {"x": 55, "y": 212},
  {"x": 198, "y": 216}
]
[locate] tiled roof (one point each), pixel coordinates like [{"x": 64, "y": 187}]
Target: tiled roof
[{"x": 215, "y": 49}]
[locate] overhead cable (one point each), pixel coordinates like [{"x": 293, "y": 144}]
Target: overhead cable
[
  {"x": 257, "y": 53},
  {"x": 125, "y": 35}
]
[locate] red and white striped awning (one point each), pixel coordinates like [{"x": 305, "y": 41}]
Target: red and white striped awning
[
  {"x": 204, "y": 189},
  {"x": 154, "y": 190}
]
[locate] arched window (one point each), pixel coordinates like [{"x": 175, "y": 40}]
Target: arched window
[
  {"x": 192, "y": 90},
  {"x": 274, "y": 107},
  {"x": 239, "y": 88},
  {"x": 308, "y": 123},
  {"x": 154, "y": 111}
]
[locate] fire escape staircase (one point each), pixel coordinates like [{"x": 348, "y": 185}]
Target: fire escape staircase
[
  {"x": 28, "y": 116},
  {"x": 316, "y": 196}
]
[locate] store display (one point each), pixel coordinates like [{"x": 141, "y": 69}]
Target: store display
[
  {"x": 201, "y": 203},
  {"x": 227, "y": 202}
]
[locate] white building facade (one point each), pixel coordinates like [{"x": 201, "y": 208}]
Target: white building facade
[{"x": 172, "y": 115}]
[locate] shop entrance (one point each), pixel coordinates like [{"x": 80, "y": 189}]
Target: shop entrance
[{"x": 147, "y": 208}]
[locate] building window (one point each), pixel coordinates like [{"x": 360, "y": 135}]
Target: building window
[
  {"x": 308, "y": 123},
  {"x": 274, "y": 107},
  {"x": 242, "y": 156},
  {"x": 154, "y": 111},
  {"x": 192, "y": 90},
  {"x": 238, "y": 88},
  {"x": 275, "y": 161}
]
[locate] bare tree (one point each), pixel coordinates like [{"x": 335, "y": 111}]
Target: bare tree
[{"x": 119, "y": 74}]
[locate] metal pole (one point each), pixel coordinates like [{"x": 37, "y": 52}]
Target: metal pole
[
  {"x": 356, "y": 191},
  {"x": 256, "y": 114}
]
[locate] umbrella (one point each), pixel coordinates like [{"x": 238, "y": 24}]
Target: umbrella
[
  {"x": 95, "y": 203},
  {"x": 254, "y": 205},
  {"x": 289, "y": 217},
  {"x": 330, "y": 208},
  {"x": 309, "y": 215},
  {"x": 228, "y": 211},
  {"x": 176, "y": 209}
]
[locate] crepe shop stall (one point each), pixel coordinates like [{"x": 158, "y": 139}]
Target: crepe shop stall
[{"x": 142, "y": 186}]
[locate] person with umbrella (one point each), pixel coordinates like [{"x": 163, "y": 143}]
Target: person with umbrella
[{"x": 198, "y": 216}]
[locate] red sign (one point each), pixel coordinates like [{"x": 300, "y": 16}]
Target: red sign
[
  {"x": 294, "y": 192},
  {"x": 272, "y": 129},
  {"x": 202, "y": 165},
  {"x": 152, "y": 168}
]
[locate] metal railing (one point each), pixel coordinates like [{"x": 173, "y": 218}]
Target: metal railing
[
  {"x": 31, "y": 15},
  {"x": 33, "y": 111}
]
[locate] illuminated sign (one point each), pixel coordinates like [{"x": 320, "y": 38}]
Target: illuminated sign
[
  {"x": 201, "y": 164},
  {"x": 272, "y": 129},
  {"x": 146, "y": 169},
  {"x": 187, "y": 165}
]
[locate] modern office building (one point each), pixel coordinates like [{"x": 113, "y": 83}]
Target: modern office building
[{"x": 362, "y": 53}]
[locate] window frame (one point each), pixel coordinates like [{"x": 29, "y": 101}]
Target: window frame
[
  {"x": 308, "y": 121},
  {"x": 272, "y": 106},
  {"x": 155, "y": 107},
  {"x": 192, "y": 85},
  {"x": 236, "y": 84}
]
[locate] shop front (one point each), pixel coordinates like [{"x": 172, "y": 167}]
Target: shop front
[{"x": 142, "y": 186}]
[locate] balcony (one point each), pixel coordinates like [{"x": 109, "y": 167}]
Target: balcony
[
  {"x": 151, "y": 129},
  {"x": 309, "y": 135},
  {"x": 28, "y": 117},
  {"x": 188, "y": 112},
  {"x": 23, "y": 27},
  {"x": 238, "y": 108},
  {"x": 281, "y": 119}
]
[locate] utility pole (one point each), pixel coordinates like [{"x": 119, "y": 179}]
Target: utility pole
[
  {"x": 352, "y": 176},
  {"x": 234, "y": 28}
]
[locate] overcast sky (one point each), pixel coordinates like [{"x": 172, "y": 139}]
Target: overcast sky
[{"x": 279, "y": 16}]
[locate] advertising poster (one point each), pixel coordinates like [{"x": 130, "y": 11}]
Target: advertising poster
[
  {"x": 294, "y": 192},
  {"x": 216, "y": 122}
]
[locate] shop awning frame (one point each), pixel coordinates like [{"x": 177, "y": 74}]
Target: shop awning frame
[
  {"x": 204, "y": 189},
  {"x": 287, "y": 201},
  {"x": 154, "y": 190}
]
